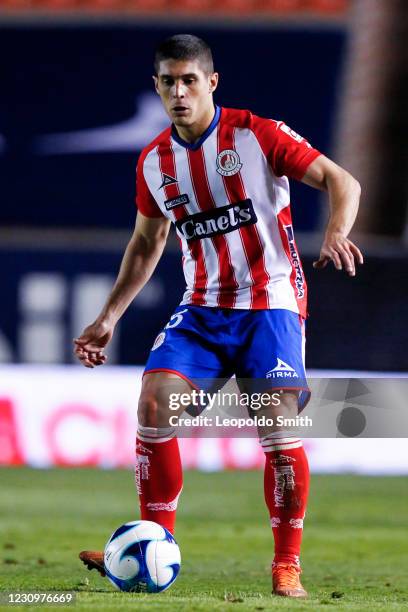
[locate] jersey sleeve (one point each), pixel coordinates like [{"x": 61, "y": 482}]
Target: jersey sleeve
[
  {"x": 287, "y": 152},
  {"x": 145, "y": 202}
]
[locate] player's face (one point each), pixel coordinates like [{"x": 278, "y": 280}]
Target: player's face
[{"x": 185, "y": 90}]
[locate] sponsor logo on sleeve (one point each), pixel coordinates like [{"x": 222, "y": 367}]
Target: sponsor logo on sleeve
[
  {"x": 285, "y": 128},
  {"x": 217, "y": 221},
  {"x": 177, "y": 201}
]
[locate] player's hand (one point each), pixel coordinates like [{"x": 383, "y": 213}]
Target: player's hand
[
  {"x": 341, "y": 251},
  {"x": 90, "y": 345}
]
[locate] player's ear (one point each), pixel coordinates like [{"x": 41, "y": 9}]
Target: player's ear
[
  {"x": 156, "y": 83},
  {"x": 213, "y": 81}
]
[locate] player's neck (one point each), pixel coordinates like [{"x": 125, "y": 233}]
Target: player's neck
[{"x": 192, "y": 133}]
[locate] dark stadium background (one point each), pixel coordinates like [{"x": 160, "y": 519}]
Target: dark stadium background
[{"x": 68, "y": 214}]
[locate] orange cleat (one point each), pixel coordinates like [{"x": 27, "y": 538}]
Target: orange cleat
[
  {"x": 93, "y": 559},
  {"x": 286, "y": 580}
]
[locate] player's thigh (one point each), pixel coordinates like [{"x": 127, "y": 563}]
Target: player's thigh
[
  {"x": 272, "y": 358},
  {"x": 189, "y": 346},
  {"x": 156, "y": 402},
  {"x": 184, "y": 356}
]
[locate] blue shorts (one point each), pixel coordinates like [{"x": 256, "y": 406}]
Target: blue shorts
[{"x": 263, "y": 347}]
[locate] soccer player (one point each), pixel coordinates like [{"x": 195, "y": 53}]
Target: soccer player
[{"x": 221, "y": 176}]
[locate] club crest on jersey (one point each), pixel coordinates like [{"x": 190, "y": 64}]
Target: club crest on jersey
[
  {"x": 228, "y": 162},
  {"x": 217, "y": 221},
  {"x": 282, "y": 370},
  {"x": 167, "y": 180},
  {"x": 159, "y": 341}
]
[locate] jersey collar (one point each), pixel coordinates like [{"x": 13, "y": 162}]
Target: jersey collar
[{"x": 196, "y": 145}]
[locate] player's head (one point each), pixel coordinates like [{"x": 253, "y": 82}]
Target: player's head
[{"x": 185, "y": 78}]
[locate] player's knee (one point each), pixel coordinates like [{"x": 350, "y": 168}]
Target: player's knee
[{"x": 148, "y": 410}]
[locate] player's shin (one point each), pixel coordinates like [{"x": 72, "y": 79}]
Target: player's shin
[
  {"x": 158, "y": 474},
  {"x": 286, "y": 487}
]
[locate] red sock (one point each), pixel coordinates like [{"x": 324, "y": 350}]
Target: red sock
[
  {"x": 286, "y": 486},
  {"x": 158, "y": 474}
]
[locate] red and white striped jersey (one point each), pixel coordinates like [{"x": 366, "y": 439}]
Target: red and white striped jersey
[{"x": 228, "y": 196}]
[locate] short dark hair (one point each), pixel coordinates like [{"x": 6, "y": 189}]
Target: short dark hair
[{"x": 185, "y": 47}]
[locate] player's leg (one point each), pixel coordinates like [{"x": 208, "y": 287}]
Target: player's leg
[
  {"x": 158, "y": 471},
  {"x": 184, "y": 356},
  {"x": 277, "y": 340},
  {"x": 286, "y": 489}
]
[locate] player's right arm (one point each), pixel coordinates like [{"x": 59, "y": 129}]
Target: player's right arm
[{"x": 138, "y": 264}]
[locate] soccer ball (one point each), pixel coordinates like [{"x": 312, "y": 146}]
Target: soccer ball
[{"x": 142, "y": 556}]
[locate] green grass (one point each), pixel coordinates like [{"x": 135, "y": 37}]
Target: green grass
[{"x": 354, "y": 555}]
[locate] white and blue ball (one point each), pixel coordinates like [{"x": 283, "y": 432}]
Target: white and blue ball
[{"x": 142, "y": 556}]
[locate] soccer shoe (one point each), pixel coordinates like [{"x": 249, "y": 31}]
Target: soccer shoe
[
  {"x": 93, "y": 559},
  {"x": 286, "y": 581}
]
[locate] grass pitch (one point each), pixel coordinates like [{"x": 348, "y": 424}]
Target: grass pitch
[{"x": 354, "y": 554}]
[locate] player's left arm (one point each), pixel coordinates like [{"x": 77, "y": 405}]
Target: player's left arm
[{"x": 344, "y": 196}]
